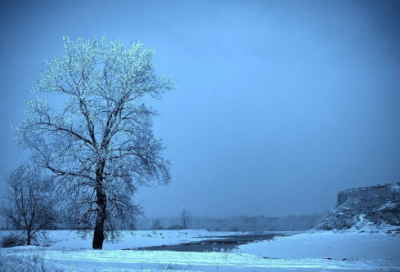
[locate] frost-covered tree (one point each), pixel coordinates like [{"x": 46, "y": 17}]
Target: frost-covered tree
[
  {"x": 99, "y": 145},
  {"x": 29, "y": 200}
]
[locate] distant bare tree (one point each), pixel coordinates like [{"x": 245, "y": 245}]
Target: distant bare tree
[
  {"x": 185, "y": 217},
  {"x": 29, "y": 201},
  {"x": 156, "y": 225}
]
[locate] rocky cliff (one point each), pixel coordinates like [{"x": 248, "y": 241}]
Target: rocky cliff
[{"x": 375, "y": 205}]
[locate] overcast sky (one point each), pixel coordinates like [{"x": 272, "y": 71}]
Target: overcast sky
[{"x": 280, "y": 104}]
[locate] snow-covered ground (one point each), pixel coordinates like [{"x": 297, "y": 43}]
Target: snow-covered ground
[
  {"x": 137, "y": 239},
  {"x": 311, "y": 251},
  {"x": 337, "y": 246}
]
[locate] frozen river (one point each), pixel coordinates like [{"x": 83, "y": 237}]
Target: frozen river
[{"x": 215, "y": 243}]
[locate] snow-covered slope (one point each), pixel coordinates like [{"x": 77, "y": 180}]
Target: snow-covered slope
[{"x": 375, "y": 205}]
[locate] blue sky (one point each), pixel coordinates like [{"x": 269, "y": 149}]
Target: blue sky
[{"x": 279, "y": 106}]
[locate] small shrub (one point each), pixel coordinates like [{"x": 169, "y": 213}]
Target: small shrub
[
  {"x": 174, "y": 227},
  {"x": 175, "y": 267},
  {"x": 42, "y": 238},
  {"x": 12, "y": 240},
  {"x": 235, "y": 228}
]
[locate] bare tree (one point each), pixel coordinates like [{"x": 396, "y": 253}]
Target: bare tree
[
  {"x": 186, "y": 218},
  {"x": 29, "y": 201},
  {"x": 100, "y": 145},
  {"x": 156, "y": 225}
]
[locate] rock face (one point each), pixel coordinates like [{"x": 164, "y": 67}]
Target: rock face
[{"x": 375, "y": 205}]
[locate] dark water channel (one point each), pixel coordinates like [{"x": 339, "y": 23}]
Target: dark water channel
[{"x": 215, "y": 243}]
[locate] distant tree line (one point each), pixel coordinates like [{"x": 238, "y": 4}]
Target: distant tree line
[
  {"x": 185, "y": 220},
  {"x": 234, "y": 223}
]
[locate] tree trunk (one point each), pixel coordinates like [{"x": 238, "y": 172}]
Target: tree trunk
[
  {"x": 98, "y": 236},
  {"x": 28, "y": 238}
]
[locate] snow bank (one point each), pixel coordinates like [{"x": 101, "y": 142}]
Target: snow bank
[{"x": 334, "y": 245}]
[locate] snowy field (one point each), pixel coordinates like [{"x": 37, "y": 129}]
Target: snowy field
[{"x": 311, "y": 251}]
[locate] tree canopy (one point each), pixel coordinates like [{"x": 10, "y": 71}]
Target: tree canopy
[{"x": 99, "y": 146}]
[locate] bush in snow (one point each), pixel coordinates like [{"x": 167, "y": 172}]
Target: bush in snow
[
  {"x": 174, "y": 227},
  {"x": 12, "y": 240}
]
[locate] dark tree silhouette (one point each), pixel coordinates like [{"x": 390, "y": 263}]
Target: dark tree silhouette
[{"x": 29, "y": 199}]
